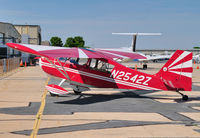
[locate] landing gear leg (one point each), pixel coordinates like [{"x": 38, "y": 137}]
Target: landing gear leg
[{"x": 184, "y": 97}]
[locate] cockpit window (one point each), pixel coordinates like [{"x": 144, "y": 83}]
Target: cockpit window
[
  {"x": 82, "y": 61},
  {"x": 101, "y": 65}
]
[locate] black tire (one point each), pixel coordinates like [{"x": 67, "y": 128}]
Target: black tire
[
  {"x": 144, "y": 66},
  {"x": 185, "y": 98},
  {"x": 53, "y": 95},
  {"x": 77, "y": 92}
]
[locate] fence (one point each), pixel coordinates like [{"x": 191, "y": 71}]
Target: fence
[{"x": 9, "y": 64}]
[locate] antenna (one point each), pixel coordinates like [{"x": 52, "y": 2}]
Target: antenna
[{"x": 135, "y": 37}]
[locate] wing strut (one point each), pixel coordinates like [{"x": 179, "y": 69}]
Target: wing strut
[
  {"x": 62, "y": 81},
  {"x": 66, "y": 75},
  {"x": 64, "y": 70}
]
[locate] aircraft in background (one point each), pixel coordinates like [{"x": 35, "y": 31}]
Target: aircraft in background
[
  {"x": 84, "y": 68},
  {"x": 134, "y": 39},
  {"x": 196, "y": 58},
  {"x": 154, "y": 57}
]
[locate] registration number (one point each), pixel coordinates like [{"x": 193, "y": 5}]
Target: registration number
[{"x": 127, "y": 76}]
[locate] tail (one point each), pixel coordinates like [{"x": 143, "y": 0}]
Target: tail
[{"x": 177, "y": 72}]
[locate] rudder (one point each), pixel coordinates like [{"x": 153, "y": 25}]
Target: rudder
[{"x": 177, "y": 72}]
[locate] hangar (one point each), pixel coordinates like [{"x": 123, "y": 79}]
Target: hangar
[{"x": 8, "y": 33}]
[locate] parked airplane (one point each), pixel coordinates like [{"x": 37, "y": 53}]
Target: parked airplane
[
  {"x": 153, "y": 58},
  {"x": 196, "y": 58},
  {"x": 134, "y": 39},
  {"x": 101, "y": 71}
]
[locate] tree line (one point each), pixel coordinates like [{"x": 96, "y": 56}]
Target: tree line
[{"x": 76, "y": 41}]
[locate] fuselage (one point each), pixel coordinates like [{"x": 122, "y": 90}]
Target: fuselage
[{"x": 112, "y": 75}]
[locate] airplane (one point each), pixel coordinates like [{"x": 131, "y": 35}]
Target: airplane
[
  {"x": 84, "y": 68},
  {"x": 196, "y": 58},
  {"x": 153, "y": 58},
  {"x": 134, "y": 37}
]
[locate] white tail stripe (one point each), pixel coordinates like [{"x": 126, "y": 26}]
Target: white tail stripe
[
  {"x": 183, "y": 73},
  {"x": 182, "y": 65},
  {"x": 82, "y": 54},
  {"x": 184, "y": 54}
]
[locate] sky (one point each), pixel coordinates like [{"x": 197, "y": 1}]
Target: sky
[{"x": 95, "y": 20}]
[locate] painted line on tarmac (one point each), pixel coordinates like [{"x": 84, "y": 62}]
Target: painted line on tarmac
[{"x": 39, "y": 113}]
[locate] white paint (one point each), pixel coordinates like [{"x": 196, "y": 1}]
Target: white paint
[
  {"x": 183, "y": 73},
  {"x": 82, "y": 54},
  {"x": 183, "y": 65},
  {"x": 184, "y": 54}
]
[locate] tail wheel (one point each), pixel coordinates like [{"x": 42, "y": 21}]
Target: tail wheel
[
  {"x": 185, "y": 97},
  {"x": 77, "y": 92}
]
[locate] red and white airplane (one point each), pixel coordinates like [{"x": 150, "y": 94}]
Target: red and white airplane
[{"x": 83, "y": 68}]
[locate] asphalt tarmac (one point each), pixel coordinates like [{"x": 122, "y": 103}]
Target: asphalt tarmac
[{"x": 114, "y": 113}]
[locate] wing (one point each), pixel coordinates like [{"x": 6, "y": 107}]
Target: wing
[
  {"x": 157, "y": 57},
  {"x": 56, "y": 52},
  {"x": 120, "y": 53}
]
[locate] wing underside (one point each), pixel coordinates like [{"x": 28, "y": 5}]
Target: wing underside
[{"x": 56, "y": 52}]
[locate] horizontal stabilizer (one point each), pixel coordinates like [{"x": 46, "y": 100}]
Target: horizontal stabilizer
[{"x": 136, "y": 33}]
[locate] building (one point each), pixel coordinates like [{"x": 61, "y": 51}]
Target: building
[
  {"x": 8, "y": 33},
  {"x": 45, "y": 43},
  {"x": 33, "y": 31}
]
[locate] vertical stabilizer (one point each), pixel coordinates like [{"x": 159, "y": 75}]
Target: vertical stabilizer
[{"x": 177, "y": 72}]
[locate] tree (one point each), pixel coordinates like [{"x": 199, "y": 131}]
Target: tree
[
  {"x": 196, "y": 47},
  {"x": 77, "y": 41},
  {"x": 70, "y": 42},
  {"x": 56, "y": 41}
]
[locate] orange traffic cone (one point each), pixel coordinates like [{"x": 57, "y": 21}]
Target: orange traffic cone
[
  {"x": 136, "y": 67},
  {"x": 25, "y": 63},
  {"x": 194, "y": 62},
  {"x": 21, "y": 64},
  {"x": 197, "y": 66}
]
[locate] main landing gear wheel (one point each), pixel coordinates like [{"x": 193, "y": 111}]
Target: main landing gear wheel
[
  {"x": 77, "y": 92},
  {"x": 53, "y": 95},
  {"x": 184, "y": 97}
]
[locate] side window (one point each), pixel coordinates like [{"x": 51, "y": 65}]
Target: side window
[
  {"x": 100, "y": 65},
  {"x": 94, "y": 63},
  {"x": 73, "y": 60},
  {"x": 82, "y": 61},
  {"x": 104, "y": 66}
]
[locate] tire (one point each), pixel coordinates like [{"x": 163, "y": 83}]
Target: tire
[
  {"x": 53, "y": 95},
  {"x": 77, "y": 92},
  {"x": 185, "y": 98}
]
